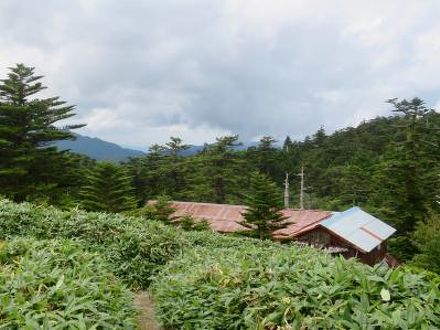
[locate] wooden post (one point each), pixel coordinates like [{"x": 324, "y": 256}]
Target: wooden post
[
  {"x": 301, "y": 195},
  {"x": 286, "y": 192}
]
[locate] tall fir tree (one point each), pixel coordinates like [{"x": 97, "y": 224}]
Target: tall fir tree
[
  {"x": 287, "y": 144},
  {"x": 147, "y": 174},
  {"x": 175, "y": 167},
  {"x": 268, "y": 156},
  {"x": 264, "y": 207},
  {"x": 221, "y": 170},
  {"x": 27, "y": 127},
  {"x": 108, "y": 188}
]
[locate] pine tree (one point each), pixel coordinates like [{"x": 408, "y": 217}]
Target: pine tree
[
  {"x": 174, "y": 167},
  {"x": 147, "y": 174},
  {"x": 162, "y": 171},
  {"x": 287, "y": 144},
  {"x": 319, "y": 137},
  {"x": 267, "y": 156},
  {"x": 108, "y": 189},
  {"x": 175, "y": 147},
  {"x": 349, "y": 184},
  {"x": 27, "y": 127},
  {"x": 70, "y": 170},
  {"x": 264, "y": 207},
  {"x": 221, "y": 169},
  {"x": 163, "y": 209}
]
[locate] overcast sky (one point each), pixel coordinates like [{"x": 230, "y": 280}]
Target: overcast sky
[{"x": 141, "y": 71}]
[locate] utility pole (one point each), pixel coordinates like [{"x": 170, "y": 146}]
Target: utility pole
[
  {"x": 301, "y": 195},
  {"x": 286, "y": 191}
]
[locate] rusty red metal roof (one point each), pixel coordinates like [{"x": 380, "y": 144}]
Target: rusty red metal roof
[
  {"x": 221, "y": 217},
  {"x": 300, "y": 222},
  {"x": 225, "y": 218},
  {"x": 360, "y": 229}
]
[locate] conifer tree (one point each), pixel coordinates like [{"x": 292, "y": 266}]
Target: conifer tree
[
  {"x": 319, "y": 137},
  {"x": 174, "y": 167},
  {"x": 267, "y": 156},
  {"x": 403, "y": 169},
  {"x": 222, "y": 169},
  {"x": 175, "y": 147},
  {"x": 147, "y": 174},
  {"x": 27, "y": 126},
  {"x": 287, "y": 144},
  {"x": 108, "y": 189},
  {"x": 427, "y": 239},
  {"x": 163, "y": 209},
  {"x": 264, "y": 207}
]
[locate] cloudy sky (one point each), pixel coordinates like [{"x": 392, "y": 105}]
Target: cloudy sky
[{"x": 141, "y": 71}]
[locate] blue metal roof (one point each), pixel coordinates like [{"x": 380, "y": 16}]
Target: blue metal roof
[{"x": 359, "y": 228}]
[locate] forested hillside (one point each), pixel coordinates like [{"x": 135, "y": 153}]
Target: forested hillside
[{"x": 388, "y": 165}]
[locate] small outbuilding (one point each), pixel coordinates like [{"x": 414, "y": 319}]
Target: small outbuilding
[
  {"x": 352, "y": 233},
  {"x": 355, "y": 232}
]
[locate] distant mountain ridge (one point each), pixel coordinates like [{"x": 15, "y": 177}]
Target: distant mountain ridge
[
  {"x": 101, "y": 150},
  {"x": 98, "y": 149}
]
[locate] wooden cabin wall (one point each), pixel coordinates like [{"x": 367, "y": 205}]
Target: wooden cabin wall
[
  {"x": 324, "y": 238},
  {"x": 374, "y": 256}
]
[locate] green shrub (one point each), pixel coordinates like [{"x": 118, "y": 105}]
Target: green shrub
[
  {"x": 188, "y": 223},
  {"x": 160, "y": 210},
  {"x": 255, "y": 287},
  {"x": 57, "y": 285},
  {"x": 214, "y": 240},
  {"x": 134, "y": 247},
  {"x": 402, "y": 247},
  {"x": 206, "y": 280}
]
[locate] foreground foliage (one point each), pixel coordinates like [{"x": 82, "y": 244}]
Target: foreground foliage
[
  {"x": 57, "y": 285},
  {"x": 134, "y": 247},
  {"x": 274, "y": 286},
  {"x": 203, "y": 280}
]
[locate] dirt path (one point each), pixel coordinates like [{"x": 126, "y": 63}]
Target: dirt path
[{"x": 146, "y": 319}]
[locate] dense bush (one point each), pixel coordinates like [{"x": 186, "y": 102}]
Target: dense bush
[
  {"x": 292, "y": 288},
  {"x": 206, "y": 280},
  {"x": 134, "y": 247},
  {"x": 57, "y": 285},
  {"x": 214, "y": 240}
]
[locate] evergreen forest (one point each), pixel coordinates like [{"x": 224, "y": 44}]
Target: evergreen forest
[{"x": 390, "y": 166}]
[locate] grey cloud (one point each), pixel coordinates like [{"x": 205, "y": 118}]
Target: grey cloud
[{"x": 141, "y": 71}]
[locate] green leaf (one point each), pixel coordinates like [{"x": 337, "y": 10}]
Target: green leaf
[
  {"x": 385, "y": 294},
  {"x": 59, "y": 283}
]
